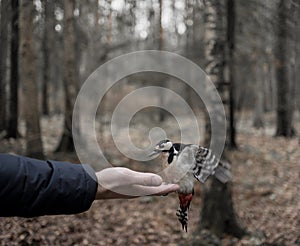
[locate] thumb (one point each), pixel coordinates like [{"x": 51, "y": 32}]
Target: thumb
[
  {"x": 156, "y": 180},
  {"x": 149, "y": 179}
]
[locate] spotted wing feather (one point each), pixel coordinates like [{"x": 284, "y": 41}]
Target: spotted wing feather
[{"x": 206, "y": 164}]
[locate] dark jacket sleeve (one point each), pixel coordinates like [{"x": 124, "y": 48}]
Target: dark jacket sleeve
[{"x": 30, "y": 187}]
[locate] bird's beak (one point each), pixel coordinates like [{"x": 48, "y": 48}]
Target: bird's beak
[{"x": 154, "y": 152}]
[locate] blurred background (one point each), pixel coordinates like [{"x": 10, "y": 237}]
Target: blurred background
[{"x": 250, "y": 50}]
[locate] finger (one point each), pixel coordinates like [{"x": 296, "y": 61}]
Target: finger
[
  {"x": 140, "y": 190},
  {"x": 159, "y": 190},
  {"x": 139, "y": 178},
  {"x": 151, "y": 180},
  {"x": 169, "y": 189}
]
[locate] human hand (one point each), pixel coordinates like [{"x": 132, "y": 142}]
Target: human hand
[{"x": 120, "y": 182}]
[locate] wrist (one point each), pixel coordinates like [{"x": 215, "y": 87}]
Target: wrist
[
  {"x": 101, "y": 191},
  {"x": 104, "y": 193}
]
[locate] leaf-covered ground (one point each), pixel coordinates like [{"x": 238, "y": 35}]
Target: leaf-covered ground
[{"x": 266, "y": 188}]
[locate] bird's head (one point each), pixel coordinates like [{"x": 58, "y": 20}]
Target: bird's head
[{"x": 162, "y": 146}]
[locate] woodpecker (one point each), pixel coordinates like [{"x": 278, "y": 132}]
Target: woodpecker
[{"x": 189, "y": 161}]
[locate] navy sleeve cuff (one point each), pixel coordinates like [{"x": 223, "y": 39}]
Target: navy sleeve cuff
[{"x": 30, "y": 187}]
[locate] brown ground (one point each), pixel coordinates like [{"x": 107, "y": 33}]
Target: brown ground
[{"x": 266, "y": 188}]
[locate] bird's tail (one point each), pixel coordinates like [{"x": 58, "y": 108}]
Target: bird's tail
[
  {"x": 182, "y": 212},
  {"x": 222, "y": 172}
]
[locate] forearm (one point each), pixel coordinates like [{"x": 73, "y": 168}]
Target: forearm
[{"x": 30, "y": 187}]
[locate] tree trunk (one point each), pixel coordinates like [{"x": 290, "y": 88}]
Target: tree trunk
[
  {"x": 48, "y": 57},
  {"x": 48, "y": 17},
  {"x": 188, "y": 44},
  {"x": 109, "y": 29},
  {"x": 96, "y": 13},
  {"x": 12, "y": 127},
  {"x": 258, "y": 119},
  {"x": 3, "y": 61},
  {"x": 231, "y": 69},
  {"x": 162, "y": 113},
  {"x": 217, "y": 212},
  {"x": 284, "y": 101},
  {"x": 268, "y": 87},
  {"x": 70, "y": 77},
  {"x": 34, "y": 144},
  {"x": 296, "y": 54}
]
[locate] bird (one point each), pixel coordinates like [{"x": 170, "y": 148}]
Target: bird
[{"x": 184, "y": 163}]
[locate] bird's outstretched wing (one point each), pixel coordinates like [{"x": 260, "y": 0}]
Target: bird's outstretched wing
[{"x": 206, "y": 164}]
